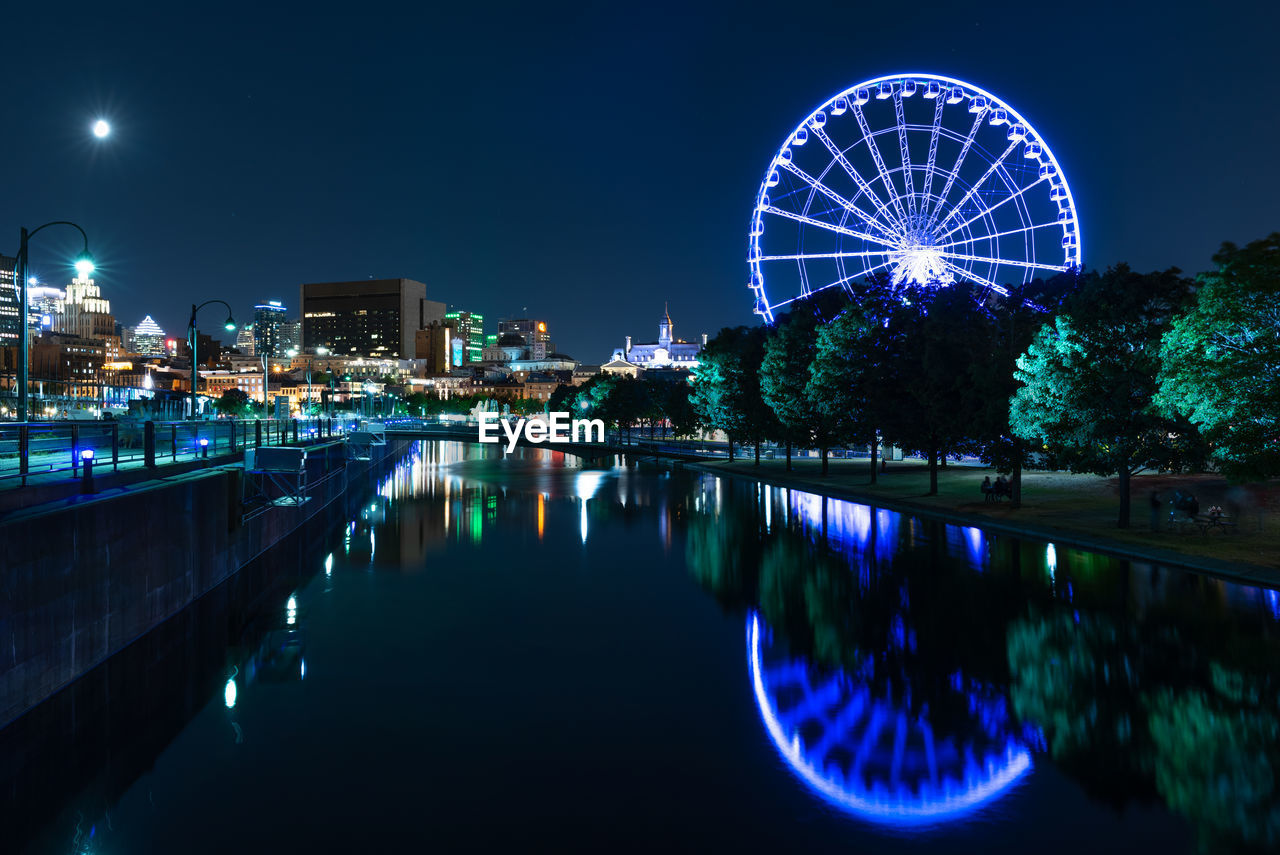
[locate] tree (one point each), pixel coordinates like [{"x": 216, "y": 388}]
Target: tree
[
  {"x": 846, "y": 376},
  {"x": 931, "y": 339},
  {"x": 726, "y": 385},
  {"x": 417, "y": 403},
  {"x": 677, "y": 406},
  {"x": 563, "y": 398},
  {"x": 1014, "y": 321},
  {"x": 233, "y": 402},
  {"x": 1089, "y": 377},
  {"x": 784, "y": 379},
  {"x": 1220, "y": 360}
]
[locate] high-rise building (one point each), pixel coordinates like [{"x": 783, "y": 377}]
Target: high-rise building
[
  {"x": 10, "y": 303},
  {"x": 267, "y": 321},
  {"x": 84, "y": 311},
  {"x": 290, "y": 337},
  {"x": 439, "y": 346},
  {"x": 146, "y": 339},
  {"x": 244, "y": 340},
  {"x": 469, "y": 327},
  {"x": 532, "y": 334},
  {"x": 373, "y": 317},
  {"x": 42, "y": 306}
]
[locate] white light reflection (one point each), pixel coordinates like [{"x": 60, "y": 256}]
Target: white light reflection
[
  {"x": 229, "y": 693},
  {"x": 585, "y": 485}
]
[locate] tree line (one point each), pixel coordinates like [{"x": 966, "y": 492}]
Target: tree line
[{"x": 1109, "y": 372}]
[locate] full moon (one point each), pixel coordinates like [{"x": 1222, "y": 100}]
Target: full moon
[{"x": 101, "y": 128}]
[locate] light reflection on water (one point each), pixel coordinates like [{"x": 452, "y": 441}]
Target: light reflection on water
[{"x": 911, "y": 676}]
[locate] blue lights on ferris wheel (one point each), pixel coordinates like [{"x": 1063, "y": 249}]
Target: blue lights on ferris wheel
[{"x": 928, "y": 191}]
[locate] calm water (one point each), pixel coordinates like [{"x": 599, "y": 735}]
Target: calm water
[{"x": 533, "y": 652}]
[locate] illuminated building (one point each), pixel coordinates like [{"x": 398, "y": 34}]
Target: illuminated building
[
  {"x": 10, "y": 303},
  {"x": 531, "y": 332},
  {"x": 67, "y": 364},
  {"x": 290, "y": 337},
  {"x": 146, "y": 339},
  {"x": 42, "y": 306},
  {"x": 83, "y": 311},
  {"x": 667, "y": 352},
  {"x": 374, "y": 317},
  {"x": 470, "y": 329},
  {"x": 244, "y": 341},
  {"x": 214, "y": 383},
  {"x": 267, "y": 322}
]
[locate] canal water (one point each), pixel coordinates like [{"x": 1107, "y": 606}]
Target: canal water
[{"x": 535, "y": 651}]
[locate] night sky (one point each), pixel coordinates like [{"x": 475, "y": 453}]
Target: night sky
[{"x": 585, "y": 162}]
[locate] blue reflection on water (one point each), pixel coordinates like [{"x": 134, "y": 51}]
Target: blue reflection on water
[{"x": 871, "y": 758}]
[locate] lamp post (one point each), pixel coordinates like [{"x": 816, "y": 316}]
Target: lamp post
[
  {"x": 230, "y": 326},
  {"x": 83, "y": 265}
]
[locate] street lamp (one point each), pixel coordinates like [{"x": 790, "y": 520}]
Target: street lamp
[
  {"x": 21, "y": 277},
  {"x": 229, "y": 326}
]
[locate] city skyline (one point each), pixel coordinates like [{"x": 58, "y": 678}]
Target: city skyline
[{"x": 487, "y": 165}]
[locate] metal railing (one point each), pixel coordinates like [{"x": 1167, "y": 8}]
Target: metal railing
[{"x": 33, "y": 449}]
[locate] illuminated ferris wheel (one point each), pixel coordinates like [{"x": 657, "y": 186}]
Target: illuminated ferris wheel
[{"x": 925, "y": 179}]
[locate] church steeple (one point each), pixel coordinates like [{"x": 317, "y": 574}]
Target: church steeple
[{"x": 666, "y": 330}]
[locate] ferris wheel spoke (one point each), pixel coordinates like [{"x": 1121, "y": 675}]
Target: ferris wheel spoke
[
  {"x": 935, "y": 134},
  {"x": 1030, "y": 265},
  {"x": 838, "y": 199},
  {"x": 997, "y": 235},
  {"x": 951, "y": 176},
  {"x": 955, "y": 209},
  {"x": 836, "y": 153},
  {"x": 832, "y": 227},
  {"x": 987, "y": 211},
  {"x": 906, "y": 152},
  {"x": 808, "y": 256},
  {"x": 841, "y": 281},
  {"x": 965, "y": 274},
  {"x": 875, "y": 155}
]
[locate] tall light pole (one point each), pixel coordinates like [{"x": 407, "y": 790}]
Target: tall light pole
[
  {"x": 83, "y": 265},
  {"x": 229, "y": 326}
]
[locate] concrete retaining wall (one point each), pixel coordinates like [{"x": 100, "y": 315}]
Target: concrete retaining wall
[{"x": 83, "y": 578}]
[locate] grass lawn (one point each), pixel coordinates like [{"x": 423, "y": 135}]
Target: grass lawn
[{"x": 1083, "y": 504}]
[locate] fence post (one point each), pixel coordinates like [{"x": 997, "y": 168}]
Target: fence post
[
  {"x": 115, "y": 446},
  {"x": 75, "y": 450},
  {"x": 173, "y": 444},
  {"x": 24, "y": 448},
  {"x": 295, "y": 430},
  {"x": 257, "y": 434},
  {"x": 149, "y": 444},
  {"x": 233, "y": 437}
]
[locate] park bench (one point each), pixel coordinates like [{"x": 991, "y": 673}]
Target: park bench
[
  {"x": 996, "y": 493},
  {"x": 1223, "y": 524}
]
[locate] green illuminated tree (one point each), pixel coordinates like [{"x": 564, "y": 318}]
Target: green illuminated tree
[
  {"x": 726, "y": 386},
  {"x": 1221, "y": 360},
  {"x": 1089, "y": 379},
  {"x": 233, "y": 402}
]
